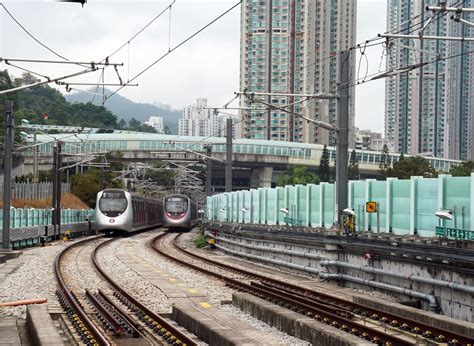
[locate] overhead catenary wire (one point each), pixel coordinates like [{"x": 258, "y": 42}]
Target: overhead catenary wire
[
  {"x": 32, "y": 36},
  {"x": 168, "y": 7},
  {"x": 398, "y": 29},
  {"x": 174, "y": 48}
]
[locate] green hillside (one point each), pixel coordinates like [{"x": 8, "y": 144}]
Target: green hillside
[
  {"x": 127, "y": 109},
  {"x": 45, "y": 105}
]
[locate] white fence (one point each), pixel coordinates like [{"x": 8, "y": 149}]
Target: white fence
[{"x": 34, "y": 190}]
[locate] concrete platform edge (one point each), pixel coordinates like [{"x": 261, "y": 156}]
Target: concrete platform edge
[
  {"x": 294, "y": 324},
  {"x": 41, "y": 326}
]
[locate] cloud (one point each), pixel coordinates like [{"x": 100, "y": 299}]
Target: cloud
[{"x": 207, "y": 66}]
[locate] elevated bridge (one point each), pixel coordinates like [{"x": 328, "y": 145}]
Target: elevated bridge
[{"x": 260, "y": 158}]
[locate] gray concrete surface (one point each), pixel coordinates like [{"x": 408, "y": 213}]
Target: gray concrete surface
[
  {"x": 41, "y": 326},
  {"x": 426, "y": 317},
  {"x": 217, "y": 327},
  {"x": 292, "y": 323},
  {"x": 454, "y": 304},
  {"x": 9, "y": 332}
]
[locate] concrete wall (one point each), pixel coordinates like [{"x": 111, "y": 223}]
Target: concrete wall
[{"x": 453, "y": 303}]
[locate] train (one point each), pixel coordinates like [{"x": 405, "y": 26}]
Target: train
[
  {"x": 179, "y": 212},
  {"x": 119, "y": 211}
]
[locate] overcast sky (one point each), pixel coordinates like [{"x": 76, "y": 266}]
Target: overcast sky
[{"x": 207, "y": 66}]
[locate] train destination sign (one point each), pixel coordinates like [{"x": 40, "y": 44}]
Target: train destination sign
[{"x": 455, "y": 233}]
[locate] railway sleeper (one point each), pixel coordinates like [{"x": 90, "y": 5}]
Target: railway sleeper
[
  {"x": 75, "y": 320},
  {"x": 413, "y": 328},
  {"x": 127, "y": 327},
  {"x": 110, "y": 321}
]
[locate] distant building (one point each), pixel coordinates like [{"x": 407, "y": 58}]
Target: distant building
[
  {"x": 291, "y": 47},
  {"x": 368, "y": 140},
  {"x": 429, "y": 109},
  {"x": 156, "y": 123},
  {"x": 198, "y": 120}
]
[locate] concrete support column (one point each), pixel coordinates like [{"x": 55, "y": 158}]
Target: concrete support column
[
  {"x": 368, "y": 196},
  {"x": 442, "y": 192},
  {"x": 261, "y": 177},
  {"x": 388, "y": 202},
  {"x": 350, "y": 194},
  {"x": 297, "y": 204},
  {"x": 307, "y": 217},
  {"x": 278, "y": 218},
  {"x": 264, "y": 205},
  {"x": 321, "y": 203},
  {"x": 472, "y": 204},
  {"x": 413, "y": 204}
]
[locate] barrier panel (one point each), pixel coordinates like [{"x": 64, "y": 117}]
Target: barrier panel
[
  {"x": 404, "y": 206},
  {"x": 28, "y": 217}
]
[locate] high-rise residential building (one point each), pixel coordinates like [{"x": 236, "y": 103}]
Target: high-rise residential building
[
  {"x": 460, "y": 91},
  {"x": 156, "y": 123},
  {"x": 291, "y": 47},
  {"x": 427, "y": 110},
  {"x": 198, "y": 120}
]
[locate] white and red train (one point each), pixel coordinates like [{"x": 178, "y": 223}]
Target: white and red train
[
  {"x": 118, "y": 210},
  {"x": 179, "y": 212}
]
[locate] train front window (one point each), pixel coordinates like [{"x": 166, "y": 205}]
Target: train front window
[
  {"x": 113, "y": 203},
  {"x": 176, "y": 205}
]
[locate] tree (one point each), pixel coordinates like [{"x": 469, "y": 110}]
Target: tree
[
  {"x": 383, "y": 164},
  {"x": 412, "y": 166},
  {"x": 122, "y": 124},
  {"x": 463, "y": 170},
  {"x": 85, "y": 186},
  {"x": 324, "y": 172},
  {"x": 298, "y": 175},
  {"x": 159, "y": 175},
  {"x": 25, "y": 79},
  {"x": 135, "y": 125},
  {"x": 353, "y": 171}
]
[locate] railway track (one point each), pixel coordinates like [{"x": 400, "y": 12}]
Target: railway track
[
  {"x": 371, "y": 324},
  {"x": 117, "y": 316}
]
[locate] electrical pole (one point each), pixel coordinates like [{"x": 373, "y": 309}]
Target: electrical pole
[
  {"x": 56, "y": 219},
  {"x": 342, "y": 145},
  {"x": 35, "y": 159},
  {"x": 7, "y": 172},
  {"x": 228, "y": 157},
  {"x": 209, "y": 170}
]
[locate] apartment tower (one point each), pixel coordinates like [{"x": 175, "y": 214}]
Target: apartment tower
[
  {"x": 292, "y": 47},
  {"x": 427, "y": 110}
]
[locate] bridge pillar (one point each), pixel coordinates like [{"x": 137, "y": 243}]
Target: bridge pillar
[{"x": 261, "y": 177}]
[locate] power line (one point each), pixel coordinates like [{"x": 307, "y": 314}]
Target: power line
[
  {"x": 142, "y": 29},
  {"x": 174, "y": 48},
  {"x": 31, "y": 35}
]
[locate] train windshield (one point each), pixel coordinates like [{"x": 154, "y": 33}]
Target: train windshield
[
  {"x": 113, "y": 203},
  {"x": 176, "y": 205}
]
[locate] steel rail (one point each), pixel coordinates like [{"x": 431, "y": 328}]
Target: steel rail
[
  {"x": 426, "y": 330},
  {"x": 72, "y": 300},
  {"x": 335, "y": 320},
  {"x": 113, "y": 322},
  {"x": 125, "y": 315},
  {"x": 182, "y": 338}
]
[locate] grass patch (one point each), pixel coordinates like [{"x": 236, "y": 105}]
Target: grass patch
[{"x": 200, "y": 240}]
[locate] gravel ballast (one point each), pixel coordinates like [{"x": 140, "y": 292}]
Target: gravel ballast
[{"x": 32, "y": 279}]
